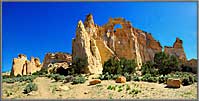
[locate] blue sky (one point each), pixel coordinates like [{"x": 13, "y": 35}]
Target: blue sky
[{"x": 35, "y": 28}]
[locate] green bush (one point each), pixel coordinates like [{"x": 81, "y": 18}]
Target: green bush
[
  {"x": 195, "y": 78},
  {"x": 59, "y": 78},
  {"x": 128, "y": 77},
  {"x": 9, "y": 80},
  {"x": 5, "y": 76},
  {"x": 136, "y": 78},
  {"x": 106, "y": 76},
  {"x": 18, "y": 75},
  {"x": 69, "y": 78},
  {"x": 19, "y": 79},
  {"x": 78, "y": 66},
  {"x": 166, "y": 63},
  {"x": 115, "y": 76},
  {"x": 30, "y": 87},
  {"x": 162, "y": 79},
  {"x": 41, "y": 72},
  {"x": 149, "y": 78},
  {"x": 135, "y": 91},
  {"x": 119, "y": 66},
  {"x": 186, "y": 69},
  {"x": 149, "y": 68},
  {"x": 79, "y": 79},
  {"x": 187, "y": 79}
]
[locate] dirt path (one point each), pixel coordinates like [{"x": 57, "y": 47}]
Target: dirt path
[{"x": 43, "y": 87}]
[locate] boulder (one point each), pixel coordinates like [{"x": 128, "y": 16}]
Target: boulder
[
  {"x": 94, "y": 82},
  {"x": 173, "y": 83},
  {"x": 120, "y": 79}
]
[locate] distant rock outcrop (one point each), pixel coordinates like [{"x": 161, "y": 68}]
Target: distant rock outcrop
[
  {"x": 22, "y": 66},
  {"x": 193, "y": 64},
  {"x": 177, "y": 50},
  {"x": 55, "y": 61}
]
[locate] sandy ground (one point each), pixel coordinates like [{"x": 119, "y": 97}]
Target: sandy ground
[{"x": 47, "y": 89}]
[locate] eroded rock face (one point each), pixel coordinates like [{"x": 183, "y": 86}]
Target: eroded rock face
[
  {"x": 53, "y": 62},
  {"x": 84, "y": 47},
  {"x": 23, "y": 66},
  {"x": 193, "y": 63},
  {"x": 97, "y": 44},
  {"x": 177, "y": 50}
]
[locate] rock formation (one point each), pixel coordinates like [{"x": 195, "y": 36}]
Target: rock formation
[
  {"x": 177, "y": 50},
  {"x": 55, "y": 61},
  {"x": 84, "y": 46},
  {"x": 23, "y": 66},
  {"x": 97, "y": 44},
  {"x": 193, "y": 64}
]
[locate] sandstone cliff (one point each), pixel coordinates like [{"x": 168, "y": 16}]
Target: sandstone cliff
[
  {"x": 97, "y": 44},
  {"x": 23, "y": 66}
]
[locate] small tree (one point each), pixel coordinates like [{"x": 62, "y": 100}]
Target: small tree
[
  {"x": 149, "y": 68},
  {"x": 78, "y": 65},
  {"x": 166, "y": 63},
  {"x": 119, "y": 66},
  {"x": 30, "y": 87}
]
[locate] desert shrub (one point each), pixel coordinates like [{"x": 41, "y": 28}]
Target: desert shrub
[
  {"x": 149, "y": 68},
  {"x": 9, "y": 80},
  {"x": 128, "y": 87},
  {"x": 136, "y": 78},
  {"x": 149, "y": 78},
  {"x": 69, "y": 78},
  {"x": 195, "y": 78},
  {"x": 166, "y": 63},
  {"x": 128, "y": 77},
  {"x": 59, "y": 77},
  {"x": 109, "y": 87},
  {"x": 78, "y": 66},
  {"x": 108, "y": 76},
  {"x": 186, "y": 69},
  {"x": 120, "y": 89},
  {"x": 162, "y": 79},
  {"x": 115, "y": 76},
  {"x": 56, "y": 77},
  {"x": 79, "y": 79},
  {"x": 135, "y": 91},
  {"x": 19, "y": 79},
  {"x": 119, "y": 66},
  {"x": 105, "y": 76},
  {"x": 41, "y": 72},
  {"x": 5, "y": 76},
  {"x": 18, "y": 75},
  {"x": 30, "y": 87},
  {"x": 187, "y": 79}
]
